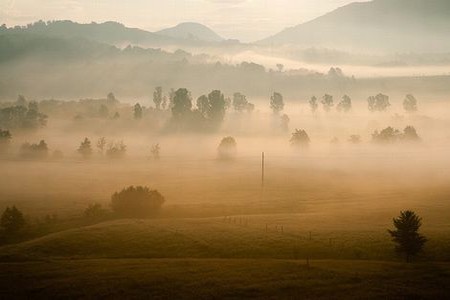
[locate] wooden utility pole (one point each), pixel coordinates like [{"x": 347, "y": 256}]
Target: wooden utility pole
[{"x": 262, "y": 169}]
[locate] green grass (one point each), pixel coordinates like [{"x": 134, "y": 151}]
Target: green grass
[
  {"x": 233, "y": 237},
  {"x": 229, "y": 279}
]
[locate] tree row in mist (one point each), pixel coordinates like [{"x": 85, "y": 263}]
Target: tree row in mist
[{"x": 206, "y": 113}]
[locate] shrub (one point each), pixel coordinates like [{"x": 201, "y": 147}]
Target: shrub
[
  {"x": 410, "y": 134},
  {"x": 300, "y": 138},
  {"x": 94, "y": 211},
  {"x": 12, "y": 220},
  {"x": 34, "y": 151},
  {"x": 138, "y": 202},
  {"x": 227, "y": 148}
]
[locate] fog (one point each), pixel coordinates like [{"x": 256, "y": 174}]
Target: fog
[
  {"x": 190, "y": 173},
  {"x": 178, "y": 164}
]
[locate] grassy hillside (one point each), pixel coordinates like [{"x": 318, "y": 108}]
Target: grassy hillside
[
  {"x": 286, "y": 237},
  {"x": 218, "y": 279}
]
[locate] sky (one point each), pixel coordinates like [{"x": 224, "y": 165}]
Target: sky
[{"x": 246, "y": 20}]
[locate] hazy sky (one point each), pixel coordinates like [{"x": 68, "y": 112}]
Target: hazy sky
[{"x": 242, "y": 19}]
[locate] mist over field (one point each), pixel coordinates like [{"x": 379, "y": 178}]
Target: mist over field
[{"x": 182, "y": 164}]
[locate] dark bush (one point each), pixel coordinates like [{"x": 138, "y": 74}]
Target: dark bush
[
  {"x": 136, "y": 202},
  {"x": 12, "y": 220}
]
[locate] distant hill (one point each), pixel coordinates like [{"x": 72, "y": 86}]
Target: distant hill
[
  {"x": 108, "y": 32},
  {"x": 385, "y": 25},
  {"x": 117, "y": 34},
  {"x": 191, "y": 31}
]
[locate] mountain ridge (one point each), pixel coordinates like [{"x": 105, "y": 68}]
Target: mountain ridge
[
  {"x": 394, "y": 25},
  {"x": 191, "y": 31}
]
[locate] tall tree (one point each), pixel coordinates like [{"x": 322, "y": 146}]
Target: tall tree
[
  {"x": 345, "y": 105},
  {"x": 327, "y": 102},
  {"x": 276, "y": 102},
  {"x": 158, "y": 97},
  {"x": 410, "y": 103},
  {"x": 379, "y": 102},
  {"x": 182, "y": 103},
  {"x": 111, "y": 99},
  {"x": 137, "y": 111},
  {"x": 240, "y": 103},
  {"x": 406, "y": 234},
  {"x": 313, "y": 104},
  {"x": 217, "y": 105}
]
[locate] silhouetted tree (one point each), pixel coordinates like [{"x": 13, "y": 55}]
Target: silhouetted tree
[
  {"x": 111, "y": 99},
  {"x": 164, "y": 103},
  {"x": 5, "y": 139},
  {"x": 313, "y": 104},
  {"x": 410, "y": 134},
  {"x": 12, "y": 220},
  {"x": 240, "y": 103},
  {"x": 300, "y": 138},
  {"x": 34, "y": 151},
  {"x": 227, "y": 103},
  {"x": 217, "y": 106},
  {"x": 410, "y": 103},
  {"x": 335, "y": 72},
  {"x": 158, "y": 97},
  {"x": 137, "y": 111},
  {"x": 85, "y": 148},
  {"x": 327, "y": 102},
  {"x": 345, "y": 105},
  {"x": 182, "y": 103},
  {"x": 276, "y": 102},
  {"x": 155, "y": 151},
  {"x": 406, "y": 234},
  {"x": 101, "y": 143},
  {"x": 378, "y": 103},
  {"x": 22, "y": 117},
  {"x": 387, "y": 135},
  {"x": 227, "y": 148},
  {"x": 280, "y": 67},
  {"x": 136, "y": 202}
]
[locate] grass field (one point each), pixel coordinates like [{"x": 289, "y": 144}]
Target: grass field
[
  {"x": 223, "y": 279},
  {"x": 231, "y": 257}
]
